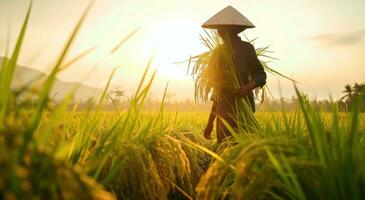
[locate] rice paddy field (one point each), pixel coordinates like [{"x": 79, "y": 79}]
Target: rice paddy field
[
  {"x": 48, "y": 151},
  {"x": 162, "y": 155}
]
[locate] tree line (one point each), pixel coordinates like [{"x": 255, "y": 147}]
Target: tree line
[{"x": 117, "y": 100}]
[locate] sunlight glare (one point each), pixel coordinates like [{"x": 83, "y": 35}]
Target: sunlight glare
[{"x": 172, "y": 42}]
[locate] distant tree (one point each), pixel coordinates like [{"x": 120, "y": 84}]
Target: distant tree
[
  {"x": 347, "y": 93},
  {"x": 116, "y": 93},
  {"x": 353, "y": 94},
  {"x": 115, "y": 97}
]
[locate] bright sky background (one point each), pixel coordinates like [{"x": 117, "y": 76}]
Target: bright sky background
[{"x": 320, "y": 43}]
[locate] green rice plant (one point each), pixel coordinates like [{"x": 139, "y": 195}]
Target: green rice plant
[
  {"x": 251, "y": 177},
  {"x": 25, "y": 161},
  {"x": 40, "y": 174},
  {"x": 173, "y": 163},
  {"x": 137, "y": 177},
  {"x": 7, "y": 73},
  {"x": 134, "y": 144},
  {"x": 177, "y": 166},
  {"x": 306, "y": 156}
]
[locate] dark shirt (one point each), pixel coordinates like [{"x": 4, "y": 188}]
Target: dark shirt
[{"x": 248, "y": 68}]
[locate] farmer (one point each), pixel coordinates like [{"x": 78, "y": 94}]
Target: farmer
[{"x": 229, "y": 22}]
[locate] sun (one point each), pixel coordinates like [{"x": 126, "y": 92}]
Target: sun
[{"x": 172, "y": 42}]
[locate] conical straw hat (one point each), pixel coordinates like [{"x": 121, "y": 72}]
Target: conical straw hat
[{"x": 228, "y": 17}]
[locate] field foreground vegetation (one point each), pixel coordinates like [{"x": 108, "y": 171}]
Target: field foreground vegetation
[
  {"x": 162, "y": 155},
  {"x": 50, "y": 152}
]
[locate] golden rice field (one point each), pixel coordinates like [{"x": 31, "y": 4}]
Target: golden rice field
[
  {"x": 48, "y": 151},
  {"x": 162, "y": 155}
]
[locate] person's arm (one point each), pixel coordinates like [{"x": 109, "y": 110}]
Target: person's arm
[
  {"x": 257, "y": 73},
  {"x": 208, "y": 130},
  {"x": 246, "y": 89}
]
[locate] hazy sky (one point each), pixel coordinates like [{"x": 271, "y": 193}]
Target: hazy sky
[{"x": 320, "y": 43}]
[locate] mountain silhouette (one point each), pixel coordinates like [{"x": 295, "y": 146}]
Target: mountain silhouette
[{"x": 25, "y": 75}]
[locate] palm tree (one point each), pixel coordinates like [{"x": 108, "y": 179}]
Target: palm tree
[
  {"x": 352, "y": 93},
  {"x": 347, "y": 92},
  {"x": 118, "y": 93},
  {"x": 359, "y": 88}
]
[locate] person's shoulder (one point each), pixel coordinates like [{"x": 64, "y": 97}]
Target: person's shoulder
[{"x": 248, "y": 44}]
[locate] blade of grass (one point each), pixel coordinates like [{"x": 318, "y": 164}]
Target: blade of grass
[
  {"x": 43, "y": 96},
  {"x": 125, "y": 39},
  {"x": 8, "y": 69}
]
